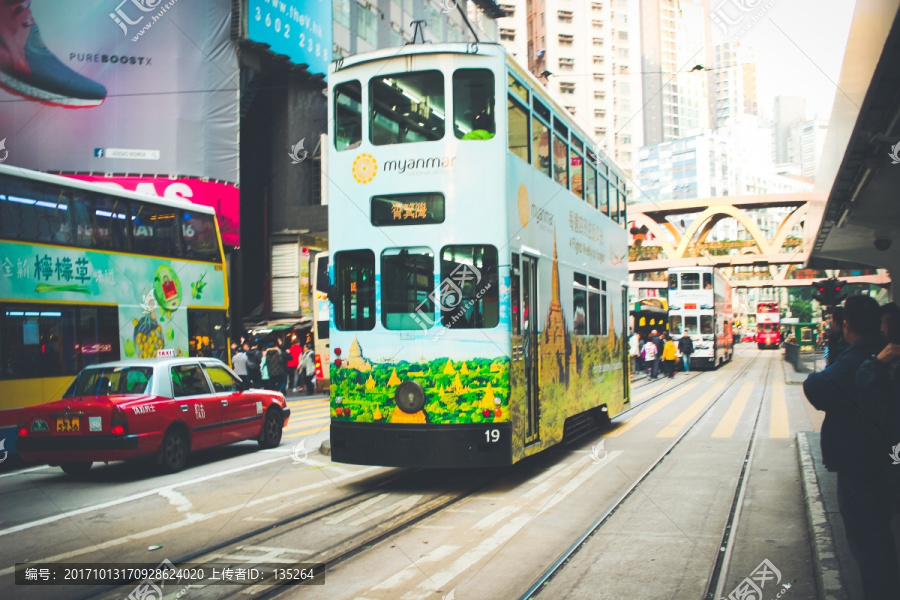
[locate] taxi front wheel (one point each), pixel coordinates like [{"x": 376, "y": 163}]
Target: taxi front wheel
[{"x": 270, "y": 437}]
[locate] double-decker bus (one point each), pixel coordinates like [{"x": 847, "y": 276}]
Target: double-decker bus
[
  {"x": 321, "y": 315},
  {"x": 700, "y": 306},
  {"x": 91, "y": 274},
  {"x": 768, "y": 324},
  {"x": 477, "y": 260}
]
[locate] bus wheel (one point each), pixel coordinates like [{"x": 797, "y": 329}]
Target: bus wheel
[
  {"x": 174, "y": 450},
  {"x": 76, "y": 469}
]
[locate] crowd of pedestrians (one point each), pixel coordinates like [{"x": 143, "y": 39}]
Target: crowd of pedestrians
[
  {"x": 277, "y": 367},
  {"x": 654, "y": 353},
  {"x": 859, "y": 391}
]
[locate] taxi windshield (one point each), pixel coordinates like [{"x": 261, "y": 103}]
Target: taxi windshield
[{"x": 106, "y": 381}]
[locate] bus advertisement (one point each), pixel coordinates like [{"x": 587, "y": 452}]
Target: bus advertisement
[{"x": 90, "y": 274}]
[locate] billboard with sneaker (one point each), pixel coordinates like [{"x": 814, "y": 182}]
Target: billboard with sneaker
[{"x": 147, "y": 88}]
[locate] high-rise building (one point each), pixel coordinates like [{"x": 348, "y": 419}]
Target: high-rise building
[
  {"x": 788, "y": 111},
  {"x": 733, "y": 95},
  {"x": 698, "y": 166},
  {"x": 588, "y": 56},
  {"x": 675, "y": 43},
  {"x": 804, "y": 146}
]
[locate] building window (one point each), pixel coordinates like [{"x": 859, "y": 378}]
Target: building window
[
  {"x": 509, "y": 10},
  {"x": 598, "y": 41},
  {"x": 597, "y": 24},
  {"x": 566, "y": 87},
  {"x": 599, "y": 77},
  {"x": 508, "y": 35},
  {"x": 565, "y": 39},
  {"x": 598, "y": 60},
  {"x": 623, "y": 35},
  {"x": 565, "y": 16},
  {"x": 566, "y": 64}
]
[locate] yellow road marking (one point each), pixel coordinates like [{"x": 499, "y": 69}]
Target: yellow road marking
[
  {"x": 677, "y": 424},
  {"x": 311, "y": 411},
  {"x": 729, "y": 422},
  {"x": 778, "y": 421},
  {"x": 319, "y": 429},
  {"x": 651, "y": 410}
]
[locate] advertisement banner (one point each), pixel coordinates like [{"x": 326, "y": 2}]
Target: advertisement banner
[
  {"x": 139, "y": 87},
  {"x": 299, "y": 29},
  {"x": 223, "y": 197}
]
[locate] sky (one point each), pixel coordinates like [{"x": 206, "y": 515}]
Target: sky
[{"x": 799, "y": 47}]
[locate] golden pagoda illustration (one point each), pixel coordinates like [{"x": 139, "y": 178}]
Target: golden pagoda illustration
[
  {"x": 355, "y": 358},
  {"x": 457, "y": 385},
  {"x": 370, "y": 383},
  {"x": 448, "y": 368},
  {"x": 489, "y": 400},
  {"x": 556, "y": 354},
  {"x": 394, "y": 380},
  {"x": 464, "y": 370}
]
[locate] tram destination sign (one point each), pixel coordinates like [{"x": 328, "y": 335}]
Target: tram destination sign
[{"x": 407, "y": 209}]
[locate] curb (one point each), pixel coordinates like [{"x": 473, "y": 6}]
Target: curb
[{"x": 827, "y": 569}]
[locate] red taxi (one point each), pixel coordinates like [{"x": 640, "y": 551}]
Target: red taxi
[{"x": 149, "y": 408}]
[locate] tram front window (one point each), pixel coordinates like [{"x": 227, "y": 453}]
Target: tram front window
[
  {"x": 407, "y": 283},
  {"x": 406, "y": 107},
  {"x": 690, "y": 325},
  {"x": 473, "y": 104}
]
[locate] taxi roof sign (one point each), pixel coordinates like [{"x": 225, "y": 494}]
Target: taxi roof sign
[{"x": 165, "y": 353}]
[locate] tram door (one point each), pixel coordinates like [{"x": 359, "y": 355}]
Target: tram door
[{"x": 530, "y": 350}]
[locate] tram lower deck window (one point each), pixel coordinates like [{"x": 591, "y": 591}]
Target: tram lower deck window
[
  {"x": 407, "y": 286},
  {"x": 354, "y": 301}
]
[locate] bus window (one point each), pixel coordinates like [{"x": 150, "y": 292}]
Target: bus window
[
  {"x": 707, "y": 281},
  {"x": 199, "y": 232},
  {"x": 673, "y": 281},
  {"x": 354, "y": 304},
  {"x": 690, "y": 325},
  {"x": 406, "y": 107},
  {"x": 155, "y": 230},
  {"x": 518, "y": 130},
  {"x": 706, "y": 325},
  {"x": 347, "y": 115},
  {"x": 560, "y": 161},
  {"x": 111, "y": 217},
  {"x": 675, "y": 324},
  {"x": 690, "y": 281},
  {"x": 473, "y": 104},
  {"x": 540, "y": 146},
  {"x": 469, "y": 288},
  {"x": 407, "y": 283},
  {"x": 579, "y": 305}
]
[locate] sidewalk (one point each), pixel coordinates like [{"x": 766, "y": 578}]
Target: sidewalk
[{"x": 837, "y": 570}]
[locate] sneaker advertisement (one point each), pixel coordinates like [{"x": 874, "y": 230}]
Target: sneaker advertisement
[{"x": 144, "y": 87}]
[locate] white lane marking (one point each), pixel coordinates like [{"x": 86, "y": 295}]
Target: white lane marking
[
  {"x": 407, "y": 503},
  {"x": 548, "y": 483},
  {"x": 577, "y": 480},
  {"x": 132, "y": 498},
  {"x": 23, "y": 471},
  {"x": 194, "y": 518},
  {"x": 497, "y": 516},
  {"x": 467, "y": 560},
  {"x": 401, "y": 577},
  {"x": 354, "y": 511},
  {"x": 177, "y": 499}
]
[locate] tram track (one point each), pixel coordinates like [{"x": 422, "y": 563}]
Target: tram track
[{"x": 721, "y": 563}]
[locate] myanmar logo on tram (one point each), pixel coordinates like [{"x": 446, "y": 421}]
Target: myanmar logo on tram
[{"x": 365, "y": 167}]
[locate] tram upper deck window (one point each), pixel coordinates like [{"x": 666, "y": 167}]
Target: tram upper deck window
[
  {"x": 347, "y": 115},
  {"x": 407, "y": 283},
  {"x": 354, "y": 300},
  {"x": 518, "y": 129},
  {"x": 406, "y": 107},
  {"x": 707, "y": 281},
  {"x": 469, "y": 294},
  {"x": 690, "y": 281},
  {"x": 673, "y": 281},
  {"x": 473, "y": 104},
  {"x": 540, "y": 146},
  {"x": 560, "y": 161}
]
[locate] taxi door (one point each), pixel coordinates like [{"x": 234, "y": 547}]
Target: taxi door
[
  {"x": 196, "y": 405},
  {"x": 242, "y": 412}
]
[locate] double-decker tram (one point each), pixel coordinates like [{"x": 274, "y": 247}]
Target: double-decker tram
[
  {"x": 700, "y": 307},
  {"x": 90, "y": 274},
  {"x": 477, "y": 262},
  {"x": 768, "y": 324}
]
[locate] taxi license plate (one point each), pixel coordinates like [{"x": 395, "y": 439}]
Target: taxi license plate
[{"x": 68, "y": 424}]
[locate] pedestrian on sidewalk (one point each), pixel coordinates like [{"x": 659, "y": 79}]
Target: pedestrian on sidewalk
[
  {"x": 293, "y": 366},
  {"x": 633, "y": 351},
  {"x": 686, "y": 347},
  {"x": 240, "y": 363},
  {"x": 308, "y": 366},
  {"x": 668, "y": 356},
  {"x": 650, "y": 357},
  {"x": 658, "y": 342},
  {"x": 847, "y": 448}
]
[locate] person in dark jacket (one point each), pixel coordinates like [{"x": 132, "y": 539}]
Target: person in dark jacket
[
  {"x": 659, "y": 343},
  {"x": 686, "y": 347},
  {"x": 863, "y": 494},
  {"x": 835, "y": 342}
]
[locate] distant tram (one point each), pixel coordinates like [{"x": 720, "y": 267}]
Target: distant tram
[
  {"x": 650, "y": 314},
  {"x": 478, "y": 262},
  {"x": 700, "y": 306},
  {"x": 768, "y": 324}
]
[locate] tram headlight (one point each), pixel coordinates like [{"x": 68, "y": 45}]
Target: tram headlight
[{"x": 410, "y": 397}]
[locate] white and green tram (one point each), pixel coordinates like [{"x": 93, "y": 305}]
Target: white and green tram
[{"x": 478, "y": 262}]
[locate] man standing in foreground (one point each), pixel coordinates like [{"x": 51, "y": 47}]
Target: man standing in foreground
[
  {"x": 686, "y": 347},
  {"x": 863, "y": 495}
]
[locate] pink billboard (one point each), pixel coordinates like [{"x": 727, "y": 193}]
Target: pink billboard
[{"x": 224, "y": 197}]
